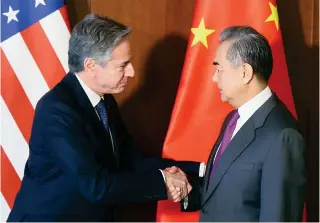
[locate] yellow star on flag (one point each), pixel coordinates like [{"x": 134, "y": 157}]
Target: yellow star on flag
[
  {"x": 201, "y": 33},
  {"x": 274, "y": 15}
]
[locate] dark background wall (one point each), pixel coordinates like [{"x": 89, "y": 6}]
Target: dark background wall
[{"x": 159, "y": 38}]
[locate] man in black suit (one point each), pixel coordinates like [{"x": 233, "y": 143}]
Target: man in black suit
[
  {"x": 82, "y": 162},
  {"x": 256, "y": 170}
]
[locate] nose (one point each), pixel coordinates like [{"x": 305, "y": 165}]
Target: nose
[{"x": 129, "y": 70}]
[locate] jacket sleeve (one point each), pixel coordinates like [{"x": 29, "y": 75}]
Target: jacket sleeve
[
  {"x": 193, "y": 201},
  {"x": 142, "y": 162},
  {"x": 66, "y": 143},
  {"x": 283, "y": 181}
]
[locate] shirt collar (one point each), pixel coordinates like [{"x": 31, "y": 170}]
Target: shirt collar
[
  {"x": 249, "y": 108},
  {"x": 93, "y": 96}
]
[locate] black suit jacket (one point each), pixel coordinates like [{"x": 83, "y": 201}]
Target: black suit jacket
[
  {"x": 261, "y": 175},
  {"x": 72, "y": 173}
]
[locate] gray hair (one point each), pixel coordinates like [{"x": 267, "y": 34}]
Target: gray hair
[
  {"x": 249, "y": 46},
  {"x": 94, "y": 37}
]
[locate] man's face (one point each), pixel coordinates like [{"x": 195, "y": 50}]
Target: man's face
[
  {"x": 228, "y": 78},
  {"x": 113, "y": 77}
]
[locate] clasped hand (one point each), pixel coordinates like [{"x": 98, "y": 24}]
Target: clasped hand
[{"x": 177, "y": 184}]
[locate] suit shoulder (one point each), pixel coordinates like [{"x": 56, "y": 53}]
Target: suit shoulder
[
  {"x": 290, "y": 133},
  {"x": 281, "y": 118},
  {"x": 58, "y": 96}
]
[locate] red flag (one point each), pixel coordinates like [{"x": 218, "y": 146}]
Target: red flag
[
  {"x": 34, "y": 46},
  {"x": 198, "y": 111}
]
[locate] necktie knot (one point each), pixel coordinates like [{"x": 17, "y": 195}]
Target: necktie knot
[
  {"x": 102, "y": 111},
  {"x": 234, "y": 117}
]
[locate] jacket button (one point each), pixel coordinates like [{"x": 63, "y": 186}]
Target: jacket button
[{"x": 204, "y": 210}]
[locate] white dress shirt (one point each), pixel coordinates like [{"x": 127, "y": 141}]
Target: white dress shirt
[
  {"x": 93, "y": 96},
  {"x": 249, "y": 108}
]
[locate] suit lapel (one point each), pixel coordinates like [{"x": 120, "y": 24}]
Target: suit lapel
[
  {"x": 88, "y": 113},
  {"x": 213, "y": 152},
  {"x": 237, "y": 145}
]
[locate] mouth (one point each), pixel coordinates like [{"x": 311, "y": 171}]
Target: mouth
[{"x": 123, "y": 84}]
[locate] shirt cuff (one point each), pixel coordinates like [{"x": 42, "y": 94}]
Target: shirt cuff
[
  {"x": 202, "y": 169},
  {"x": 185, "y": 202},
  {"x": 164, "y": 178}
]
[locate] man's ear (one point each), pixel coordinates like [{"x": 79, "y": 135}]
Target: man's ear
[
  {"x": 246, "y": 72},
  {"x": 89, "y": 65}
]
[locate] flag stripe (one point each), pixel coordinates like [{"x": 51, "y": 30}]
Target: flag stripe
[
  {"x": 12, "y": 140},
  {"x": 10, "y": 181},
  {"x": 27, "y": 14},
  {"x": 64, "y": 14},
  {"x": 15, "y": 98},
  {"x": 45, "y": 59},
  {"x": 5, "y": 209},
  {"x": 25, "y": 68},
  {"x": 58, "y": 34},
  {"x": 33, "y": 59}
]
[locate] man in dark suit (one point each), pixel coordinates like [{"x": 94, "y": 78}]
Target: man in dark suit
[
  {"x": 256, "y": 170},
  {"x": 82, "y": 162}
]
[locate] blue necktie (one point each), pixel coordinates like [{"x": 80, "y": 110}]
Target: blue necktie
[{"x": 102, "y": 111}]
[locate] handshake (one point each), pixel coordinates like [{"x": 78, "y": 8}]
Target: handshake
[{"x": 177, "y": 183}]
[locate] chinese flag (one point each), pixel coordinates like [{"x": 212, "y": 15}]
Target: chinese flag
[{"x": 198, "y": 111}]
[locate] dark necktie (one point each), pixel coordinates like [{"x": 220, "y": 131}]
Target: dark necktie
[
  {"x": 227, "y": 135},
  {"x": 102, "y": 111}
]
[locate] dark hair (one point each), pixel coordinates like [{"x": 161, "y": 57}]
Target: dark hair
[{"x": 249, "y": 46}]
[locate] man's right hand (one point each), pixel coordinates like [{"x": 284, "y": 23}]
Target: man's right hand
[{"x": 177, "y": 184}]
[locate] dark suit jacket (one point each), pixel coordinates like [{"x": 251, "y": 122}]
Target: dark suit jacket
[
  {"x": 72, "y": 174},
  {"x": 261, "y": 175}
]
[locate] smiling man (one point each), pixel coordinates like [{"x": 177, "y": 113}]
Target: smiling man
[{"x": 82, "y": 162}]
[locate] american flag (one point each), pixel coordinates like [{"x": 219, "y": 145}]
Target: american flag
[{"x": 34, "y": 44}]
